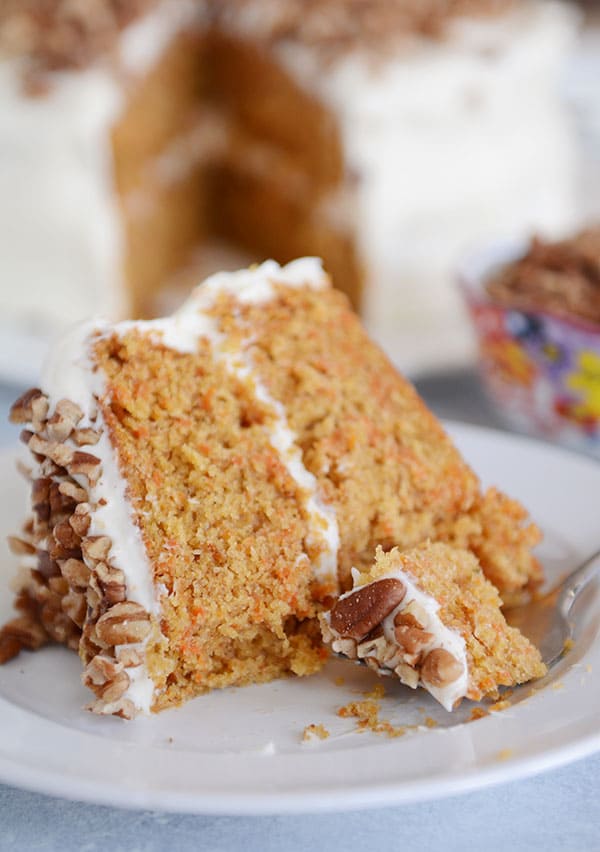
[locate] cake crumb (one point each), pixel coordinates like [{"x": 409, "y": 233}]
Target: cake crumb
[
  {"x": 500, "y": 705},
  {"x": 505, "y": 754},
  {"x": 568, "y": 646},
  {"x": 377, "y": 693},
  {"x": 367, "y": 715},
  {"x": 558, "y": 686},
  {"x": 430, "y": 723},
  {"x": 478, "y": 713},
  {"x": 339, "y": 681},
  {"x": 314, "y": 732},
  {"x": 588, "y": 668}
]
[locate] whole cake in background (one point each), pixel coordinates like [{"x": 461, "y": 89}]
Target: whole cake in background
[
  {"x": 137, "y": 137},
  {"x": 202, "y": 487}
]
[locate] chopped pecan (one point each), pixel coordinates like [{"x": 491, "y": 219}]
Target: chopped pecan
[
  {"x": 74, "y": 605},
  {"x": 59, "y": 504},
  {"x": 96, "y": 548},
  {"x": 26, "y": 630},
  {"x": 95, "y": 600},
  {"x": 40, "y": 492},
  {"x": 408, "y": 675},
  {"x": 359, "y": 612},
  {"x": 85, "y": 437},
  {"x": 347, "y": 647},
  {"x": 87, "y": 646},
  {"x": 66, "y": 416},
  {"x": 80, "y": 519},
  {"x": 85, "y": 464},
  {"x": 124, "y": 624},
  {"x": 58, "y": 625},
  {"x": 19, "y": 546},
  {"x": 46, "y": 566},
  {"x": 412, "y": 639},
  {"x": 74, "y": 491},
  {"x": 440, "y": 668},
  {"x": 9, "y": 647},
  {"x": 130, "y": 657},
  {"x": 100, "y": 671},
  {"x": 25, "y": 436},
  {"x": 112, "y": 583},
  {"x": 76, "y": 573},
  {"x": 39, "y": 410},
  {"x": 372, "y": 648},
  {"x": 58, "y": 551},
  {"x": 61, "y": 454},
  {"x": 20, "y": 411},
  {"x": 58, "y": 585},
  {"x": 124, "y": 707},
  {"x": 24, "y": 470},
  {"x": 49, "y": 468},
  {"x": 413, "y": 614},
  {"x": 65, "y": 535}
]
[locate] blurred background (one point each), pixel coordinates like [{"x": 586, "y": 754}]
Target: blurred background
[{"x": 146, "y": 145}]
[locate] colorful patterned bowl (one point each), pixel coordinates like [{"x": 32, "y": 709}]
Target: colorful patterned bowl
[{"x": 540, "y": 370}]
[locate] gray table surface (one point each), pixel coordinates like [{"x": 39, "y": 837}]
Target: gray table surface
[{"x": 559, "y": 810}]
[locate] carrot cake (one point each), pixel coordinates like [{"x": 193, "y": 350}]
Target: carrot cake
[
  {"x": 384, "y": 136},
  {"x": 202, "y": 486},
  {"x": 429, "y": 616}
]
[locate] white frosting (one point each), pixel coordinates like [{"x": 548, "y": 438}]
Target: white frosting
[
  {"x": 442, "y": 636},
  {"x": 323, "y": 520},
  {"x": 61, "y": 233},
  {"x": 69, "y": 374}
]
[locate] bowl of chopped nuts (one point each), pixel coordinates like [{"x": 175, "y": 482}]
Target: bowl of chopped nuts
[{"x": 535, "y": 309}]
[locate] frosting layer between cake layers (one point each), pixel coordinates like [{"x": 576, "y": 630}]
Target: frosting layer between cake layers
[{"x": 70, "y": 373}]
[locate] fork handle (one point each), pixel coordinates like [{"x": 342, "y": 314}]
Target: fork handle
[{"x": 577, "y": 582}]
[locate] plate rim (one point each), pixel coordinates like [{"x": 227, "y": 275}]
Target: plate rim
[{"x": 45, "y": 780}]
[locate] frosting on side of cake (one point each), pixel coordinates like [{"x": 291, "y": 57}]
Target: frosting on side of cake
[
  {"x": 69, "y": 374},
  {"x": 389, "y": 651}
]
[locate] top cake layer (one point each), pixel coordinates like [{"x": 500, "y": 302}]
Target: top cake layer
[{"x": 562, "y": 277}]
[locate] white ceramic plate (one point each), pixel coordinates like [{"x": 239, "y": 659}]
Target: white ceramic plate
[{"x": 239, "y": 751}]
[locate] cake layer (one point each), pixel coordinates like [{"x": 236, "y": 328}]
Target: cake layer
[
  {"x": 430, "y": 617},
  {"x": 203, "y": 484}
]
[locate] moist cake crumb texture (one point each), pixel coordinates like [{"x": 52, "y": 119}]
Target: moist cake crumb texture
[
  {"x": 202, "y": 487},
  {"x": 429, "y": 616}
]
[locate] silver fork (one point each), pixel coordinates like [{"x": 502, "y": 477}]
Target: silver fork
[{"x": 545, "y": 621}]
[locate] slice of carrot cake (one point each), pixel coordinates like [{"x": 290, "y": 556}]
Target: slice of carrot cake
[
  {"x": 429, "y": 616},
  {"x": 202, "y": 486}
]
